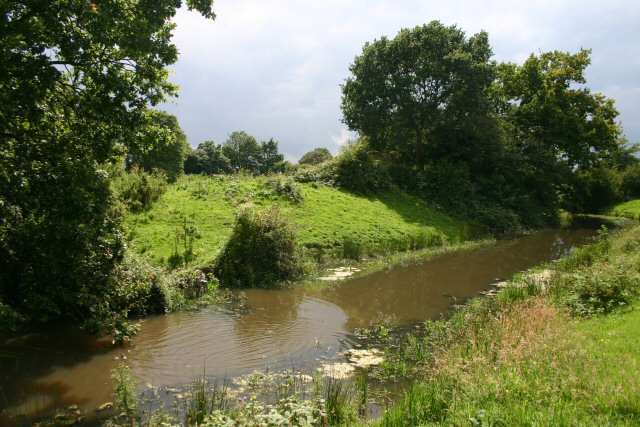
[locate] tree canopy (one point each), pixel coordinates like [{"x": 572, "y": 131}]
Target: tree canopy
[
  {"x": 76, "y": 79},
  {"x": 407, "y": 93},
  {"x": 316, "y": 156},
  {"x": 491, "y": 140},
  {"x": 160, "y": 145}
]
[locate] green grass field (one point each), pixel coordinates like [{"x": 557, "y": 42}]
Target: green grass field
[
  {"x": 529, "y": 358},
  {"x": 630, "y": 209},
  {"x": 324, "y": 218}
]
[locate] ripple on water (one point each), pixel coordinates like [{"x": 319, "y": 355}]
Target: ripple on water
[{"x": 170, "y": 349}]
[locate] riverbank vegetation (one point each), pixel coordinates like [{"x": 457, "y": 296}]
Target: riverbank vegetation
[
  {"x": 554, "y": 348},
  {"x": 98, "y": 223},
  {"x": 630, "y": 209},
  {"x": 556, "y": 345},
  {"x": 327, "y": 221}
]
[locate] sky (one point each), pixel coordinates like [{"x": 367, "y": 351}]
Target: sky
[{"x": 274, "y": 68}]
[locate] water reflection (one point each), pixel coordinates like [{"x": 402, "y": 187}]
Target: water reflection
[
  {"x": 426, "y": 290},
  {"x": 282, "y": 328}
]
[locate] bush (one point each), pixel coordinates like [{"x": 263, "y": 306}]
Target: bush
[
  {"x": 359, "y": 171},
  {"x": 630, "y": 182},
  {"x": 138, "y": 189},
  {"x": 355, "y": 169},
  {"x": 284, "y": 188},
  {"x": 261, "y": 251},
  {"x": 598, "y": 290},
  {"x": 137, "y": 288}
]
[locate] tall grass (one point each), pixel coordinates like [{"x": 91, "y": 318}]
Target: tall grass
[{"x": 528, "y": 356}]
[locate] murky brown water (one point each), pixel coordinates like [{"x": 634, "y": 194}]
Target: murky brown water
[{"x": 284, "y": 328}]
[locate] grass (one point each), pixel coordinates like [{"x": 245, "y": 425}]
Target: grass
[
  {"x": 327, "y": 220},
  {"x": 630, "y": 209},
  {"x": 526, "y": 357}
]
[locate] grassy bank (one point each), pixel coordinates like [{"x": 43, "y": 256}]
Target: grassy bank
[
  {"x": 630, "y": 209},
  {"x": 198, "y": 213},
  {"x": 551, "y": 349}
]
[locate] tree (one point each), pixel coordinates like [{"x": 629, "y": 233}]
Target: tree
[
  {"x": 412, "y": 95},
  {"x": 160, "y": 144},
  {"x": 545, "y": 99},
  {"x": 207, "y": 159},
  {"x": 243, "y": 151},
  {"x": 76, "y": 78},
  {"x": 550, "y": 113},
  {"x": 316, "y": 156},
  {"x": 271, "y": 161}
]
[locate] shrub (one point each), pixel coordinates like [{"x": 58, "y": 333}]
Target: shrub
[
  {"x": 598, "y": 290},
  {"x": 138, "y": 189},
  {"x": 359, "y": 171},
  {"x": 261, "y": 251},
  {"x": 355, "y": 169},
  {"x": 630, "y": 182},
  {"x": 284, "y": 188}
]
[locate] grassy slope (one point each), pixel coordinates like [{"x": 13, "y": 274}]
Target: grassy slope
[
  {"x": 630, "y": 209},
  {"x": 526, "y": 360},
  {"x": 324, "y": 218}
]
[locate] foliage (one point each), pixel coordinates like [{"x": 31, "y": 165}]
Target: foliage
[
  {"x": 138, "y": 189},
  {"x": 597, "y": 279},
  {"x": 593, "y": 190},
  {"x": 75, "y": 82},
  {"x": 359, "y": 171},
  {"x": 630, "y": 182},
  {"x": 243, "y": 152},
  {"x": 261, "y": 251},
  {"x": 271, "y": 161},
  {"x": 387, "y": 222},
  {"x": 207, "y": 159},
  {"x": 504, "y": 145},
  {"x": 160, "y": 145},
  {"x": 406, "y": 94},
  {"x": 125, "y": 390},
  {"x": 516, "y": 359},
  {"x": 340, "y": 405},
  {"x": 355, "y": 169},
  {"x": 205, "y": 401},
  {"x": 316, "y": 156},
  {"x": 285, "y": 188},
  {"x": 545, "y": 100}
]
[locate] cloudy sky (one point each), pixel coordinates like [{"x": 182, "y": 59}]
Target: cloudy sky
[{"x": 274, "y": 68}]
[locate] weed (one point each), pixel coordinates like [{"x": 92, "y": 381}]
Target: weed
[{"x": 125, "y": 391}]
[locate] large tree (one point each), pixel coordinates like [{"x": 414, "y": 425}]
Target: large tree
[
  {"x": 566, "y": 135},
  {"x": 414, "y": 94},
  {"x": 160, "y": 145},
  {"x": 76, "y": 78},
  {"x": 545, "y": 99},
  {"x": 243, "y": 151}
]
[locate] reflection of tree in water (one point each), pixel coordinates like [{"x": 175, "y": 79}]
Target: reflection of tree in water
[
  {"x": 269, "y": 310},
  {"x": 29, "y": 364}
]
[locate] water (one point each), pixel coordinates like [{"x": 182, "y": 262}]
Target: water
[{"x": 284, "y": 328}]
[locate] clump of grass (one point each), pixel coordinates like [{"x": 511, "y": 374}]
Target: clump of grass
[
  {"x": 204, "y": 401},
  {"x": 340, "y": 401},
  {"x": 285, "y": 188}
]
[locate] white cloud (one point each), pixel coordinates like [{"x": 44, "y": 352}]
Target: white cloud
[{"x": 274, "y": 68}]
